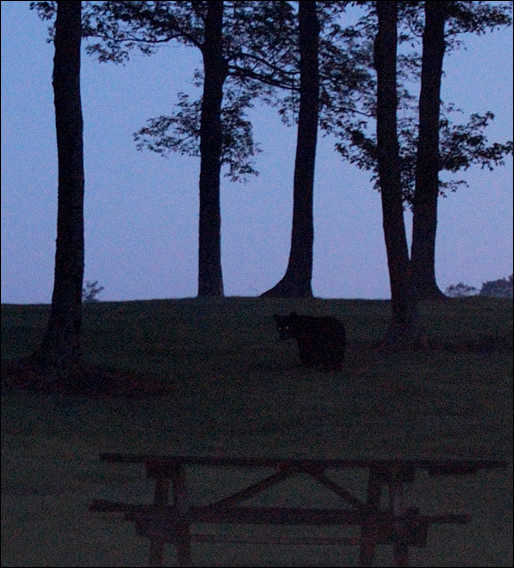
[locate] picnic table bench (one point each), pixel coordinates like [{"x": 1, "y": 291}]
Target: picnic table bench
[{"x": 397, "y": 525}]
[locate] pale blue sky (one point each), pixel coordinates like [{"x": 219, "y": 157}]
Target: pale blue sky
[{"x": 141, "y": 211}]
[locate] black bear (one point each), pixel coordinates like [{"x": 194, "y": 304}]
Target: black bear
[{"x": 321, "y": 340}]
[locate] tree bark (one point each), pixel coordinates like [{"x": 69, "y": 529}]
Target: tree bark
[
  {"x": 297, "y": 279},
  {"x": 60, "y": 351},
  {"x": 210, "y": 277},
  {"x": 404, "y": 328},
  {"x": 427, "y": 165}
]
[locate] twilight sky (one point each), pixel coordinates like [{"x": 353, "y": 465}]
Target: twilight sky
[{"x": 141, "y": 210}]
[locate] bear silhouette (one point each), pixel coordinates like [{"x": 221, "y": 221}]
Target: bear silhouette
[{"x": 321, "y": 340}]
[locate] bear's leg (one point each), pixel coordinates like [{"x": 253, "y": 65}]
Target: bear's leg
[{"x": 307, "y": 354}]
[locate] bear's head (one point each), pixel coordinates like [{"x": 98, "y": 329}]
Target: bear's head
[{"x": 286, "y": 325}]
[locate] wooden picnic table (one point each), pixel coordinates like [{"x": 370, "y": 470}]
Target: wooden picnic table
[{"x": 397, "y": 525}]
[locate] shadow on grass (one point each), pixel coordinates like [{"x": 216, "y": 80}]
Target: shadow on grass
[{"x": 92, "y": 381}]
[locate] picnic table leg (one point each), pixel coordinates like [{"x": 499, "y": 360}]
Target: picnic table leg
[
  {"x": 156, "y": 552},
  {"x": 183, "y": 545},
  {"x": 400, "y": 547},
  {"x": 181, "y": 502},
  {"x": 161, "y": 499},
  {"x": 367, "y": 548},
  {"x": 401, "y": 554}
]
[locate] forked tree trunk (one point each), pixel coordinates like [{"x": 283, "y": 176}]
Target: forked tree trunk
[
  {"x": 427, "y": 166},
  {"x": 404, "y": 329},
  {"x": 297, "y": 279},
  {"x": 60, "y": 351}
]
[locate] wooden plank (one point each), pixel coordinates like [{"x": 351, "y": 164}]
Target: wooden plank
[
  {"x": 161, "y": 500},
  {"x": 255, "y": 489},
  {"x": 278, "y": 516},
  {"x": 454, "y": 466},
  {"x": 257, "y": 515},
  {"x": 237, "y": 514},
  {"x": 344, "y": 494},
  {"x": 460, "y": 468},
  {"x": 380, "y": 527},
  {"x": 276, "y": 540},
  {"x": 182, "y": 526},
  {"x": 447, "y": 519},
  {"x": 401, "y": 554},
  {"x": 373, "y": 499}
]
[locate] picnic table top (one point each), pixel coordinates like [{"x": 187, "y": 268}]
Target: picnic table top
[{"x": 433, "y": 466}]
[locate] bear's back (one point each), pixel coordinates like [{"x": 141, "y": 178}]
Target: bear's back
[
  {"x": 321, "y": 340},
  {"x": 326, "y": 326}
]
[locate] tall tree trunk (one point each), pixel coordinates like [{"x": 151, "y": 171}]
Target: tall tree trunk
[
  {"x": 404, "y": 328},
  {"x": 210, "y": 278},
  {"x": 297, "y": 279},
  {"x": 60, "y": 351},
  {"x": 427, "y": 165}
]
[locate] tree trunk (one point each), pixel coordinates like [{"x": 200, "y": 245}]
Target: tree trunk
[
  {"x": 404, "y": 329},
  {"x": 427, "y": 165},
  {"x": 297, "y": 279},
  {"x": 60, "y": 351},
  {"x": 210, "y": 278}
]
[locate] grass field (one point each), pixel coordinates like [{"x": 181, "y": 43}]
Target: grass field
[{"x": 237, "y": 391}]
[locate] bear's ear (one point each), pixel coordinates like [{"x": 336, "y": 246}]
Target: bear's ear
[
  {"x": 276, "y": 317},
  {"x": 293, "y": 315}
]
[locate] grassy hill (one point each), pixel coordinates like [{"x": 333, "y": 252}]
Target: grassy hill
[{"x": 236, "y": 390}]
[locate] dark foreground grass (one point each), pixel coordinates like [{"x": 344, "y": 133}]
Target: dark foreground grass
[{"x": 236, "y": 390}]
